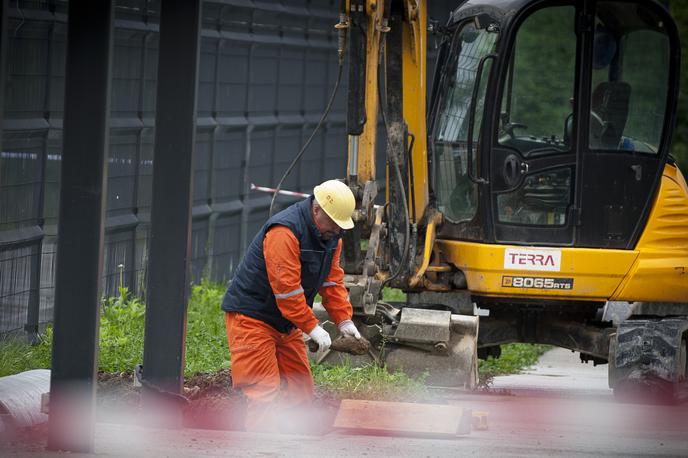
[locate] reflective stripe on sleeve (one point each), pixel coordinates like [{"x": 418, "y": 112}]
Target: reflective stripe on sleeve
[
  {"x": 289, "y": 294},
  {"x": 329, "y": 283}
]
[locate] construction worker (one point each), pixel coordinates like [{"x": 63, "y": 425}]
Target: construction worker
[{"x": 268, "y": 305}]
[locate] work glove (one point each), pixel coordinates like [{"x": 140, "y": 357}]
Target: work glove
[
  {"x": 348, "y": 328},
  {"x": 321, "y": 337}
]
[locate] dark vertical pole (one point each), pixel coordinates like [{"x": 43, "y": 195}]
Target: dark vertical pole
[
  {"x": 246, "y": 166},
  {"x": 170, "y": 240},
  {"x": 80, "y": 226},
  {"x": 4, "y": 36},
  {"x": 3, "y": 67},
  {"x": 32, "y": 312},
  {"x": 32, "y": 315}
]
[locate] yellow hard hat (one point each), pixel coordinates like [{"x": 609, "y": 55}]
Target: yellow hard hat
[{"x": 338, "y": 202}]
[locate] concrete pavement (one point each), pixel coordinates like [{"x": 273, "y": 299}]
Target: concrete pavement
[{"x": 560, "y": 407}]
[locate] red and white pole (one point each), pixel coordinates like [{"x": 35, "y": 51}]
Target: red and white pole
[{"x": 281, "y": 191}]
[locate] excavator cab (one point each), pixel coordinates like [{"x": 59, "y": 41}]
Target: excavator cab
[
  {"x": 550, "y": 122},
  {"x": 549, "y": 130}
]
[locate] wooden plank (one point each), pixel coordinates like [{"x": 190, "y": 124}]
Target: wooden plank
[{"x": 403, "y": 418}]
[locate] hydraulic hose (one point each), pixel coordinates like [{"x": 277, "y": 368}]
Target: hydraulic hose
[{"x": 397, "y": 172}]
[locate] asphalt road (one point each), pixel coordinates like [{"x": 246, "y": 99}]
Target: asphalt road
[{"x": 559, "y": 408}]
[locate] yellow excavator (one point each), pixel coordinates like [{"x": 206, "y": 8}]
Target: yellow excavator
[{"x": 532, "y": 198}]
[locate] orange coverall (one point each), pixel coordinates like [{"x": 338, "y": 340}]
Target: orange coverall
[{"x": 270, "y": 366}]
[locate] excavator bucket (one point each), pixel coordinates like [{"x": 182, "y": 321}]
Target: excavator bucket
[
  {"x": 453, "y": 362},
  {"x": 435, "y": 344}
]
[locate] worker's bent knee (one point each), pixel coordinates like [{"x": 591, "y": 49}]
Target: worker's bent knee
[{"x": 256, "y": 373}]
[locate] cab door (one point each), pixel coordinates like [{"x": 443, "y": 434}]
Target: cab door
[
  {"x": 533, "y": 166},
  {"x": 630, "y": 76},
  {"x": 582, "y": 132}
]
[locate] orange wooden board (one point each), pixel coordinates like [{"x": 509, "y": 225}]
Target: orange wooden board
[{"x": 402, "y": 418}]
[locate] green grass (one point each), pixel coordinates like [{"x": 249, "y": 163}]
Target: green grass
[
  {"x": 368, "y": 382},
  {"x": 122, "y": 323},
  {"x": 206, "y": 338},
  {"x": 515, "y": 357},
  {"x": 19, "y": 357},
  {"x": 122, "y": 330}
]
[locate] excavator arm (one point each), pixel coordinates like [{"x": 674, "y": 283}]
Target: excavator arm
[
  {"x": 387, "y": 99},
  {"x": 386, "y": 47}
]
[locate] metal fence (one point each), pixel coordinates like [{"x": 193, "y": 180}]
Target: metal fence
[{"x": 266, "y": 70}]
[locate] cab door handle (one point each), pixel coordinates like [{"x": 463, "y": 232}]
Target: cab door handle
[{"x": 638, "y": 169}]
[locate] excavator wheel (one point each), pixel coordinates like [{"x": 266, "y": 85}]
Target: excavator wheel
[{"x": 648, "y": 361}]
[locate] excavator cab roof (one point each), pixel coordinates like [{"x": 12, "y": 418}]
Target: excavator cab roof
[{"x": 506, "y": 10}]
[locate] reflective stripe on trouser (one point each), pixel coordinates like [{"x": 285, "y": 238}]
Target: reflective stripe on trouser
[{"x": 262, "y": 360}]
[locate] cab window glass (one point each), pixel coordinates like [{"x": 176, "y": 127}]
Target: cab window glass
[
  {"x": 457, "y": 194},
  {"x": 629, "y": 79},
  {"x": 538, "y": 91}
]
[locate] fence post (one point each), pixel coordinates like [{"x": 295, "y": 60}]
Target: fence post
[
  {"x": 4, "y": 37},
  {"x": 32, "y": 312}
]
